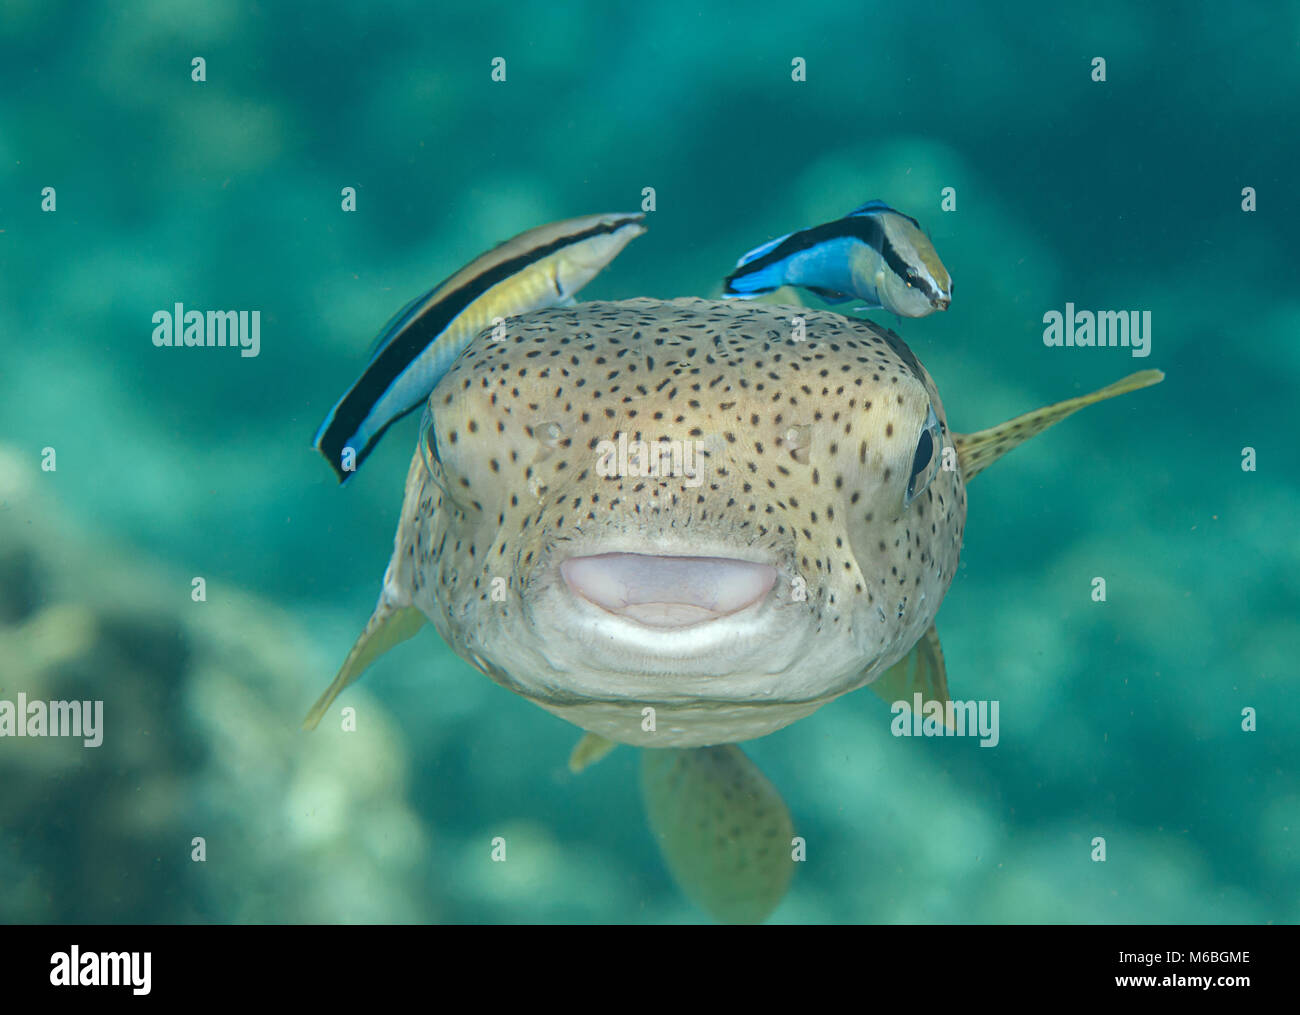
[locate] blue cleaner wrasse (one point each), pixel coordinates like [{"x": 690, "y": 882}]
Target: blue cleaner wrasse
[
  {"x": 874, "y": 254},
  {"x": 540, "y": 268}
]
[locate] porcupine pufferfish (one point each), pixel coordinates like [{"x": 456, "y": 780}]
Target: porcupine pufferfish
[{"x": 679, "y": 526}]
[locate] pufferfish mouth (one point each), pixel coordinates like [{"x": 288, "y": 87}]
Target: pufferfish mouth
[{"x": 668, "y": 592}]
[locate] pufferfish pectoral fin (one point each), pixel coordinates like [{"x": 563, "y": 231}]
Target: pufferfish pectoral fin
[
  {"x": 921, "y": 671},
  {"x": 589, "y": 750},
  {"x": 977, "y": 451},
  {"x": 388, "y": 626},
  {"x": 782, "y": 296},
  {"x": 722, "y": 827}
]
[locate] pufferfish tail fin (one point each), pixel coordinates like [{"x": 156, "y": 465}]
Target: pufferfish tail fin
[
  {"x": 389, "y": 625},
  {"x": 977, "y": 451},
  {"x": 722, "y": 827}
]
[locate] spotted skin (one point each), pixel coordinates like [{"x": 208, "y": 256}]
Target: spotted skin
[{"x": 806, "y": 445}]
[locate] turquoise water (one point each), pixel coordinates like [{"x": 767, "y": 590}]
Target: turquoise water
[{"x": 1120, "y": 720}]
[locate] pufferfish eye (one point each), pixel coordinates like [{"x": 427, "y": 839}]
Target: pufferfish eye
[
  {"x": 431, "y": 458},
  {"x": 429, "y": 444},
  {"x": 925, "y": 460}
]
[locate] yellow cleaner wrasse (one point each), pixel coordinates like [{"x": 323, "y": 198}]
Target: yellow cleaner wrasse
[
  {"x": 874, "y": 254},
  {"x": 540, "y": 268}
]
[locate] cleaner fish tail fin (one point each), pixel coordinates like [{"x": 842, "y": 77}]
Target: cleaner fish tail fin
[
  {"x": 745, "y": 285},
  {"x": 977, "y": 451},
  {"x": 722, "y": 827},
  {"x": 752, "y": 278},
  {"x": 346, "y": 452}
]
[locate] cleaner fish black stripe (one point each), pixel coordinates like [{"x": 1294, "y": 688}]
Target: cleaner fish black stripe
[{"x": 539, "y": 268}]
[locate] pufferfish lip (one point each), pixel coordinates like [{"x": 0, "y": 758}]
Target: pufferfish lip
[{"x": 668, "y": 592}]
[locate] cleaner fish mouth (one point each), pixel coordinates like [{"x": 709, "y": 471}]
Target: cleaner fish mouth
[{"x": 668, "y": 592}]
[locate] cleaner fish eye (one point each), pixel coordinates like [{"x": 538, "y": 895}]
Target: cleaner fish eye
[
  {"x": 925, "y": 462},
  {"x": 874, "y": 254}
]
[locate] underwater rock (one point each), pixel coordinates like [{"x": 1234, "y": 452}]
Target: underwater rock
[
  {"x": 19, "y": 587},
  {"x": 200, "y": 742}
]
